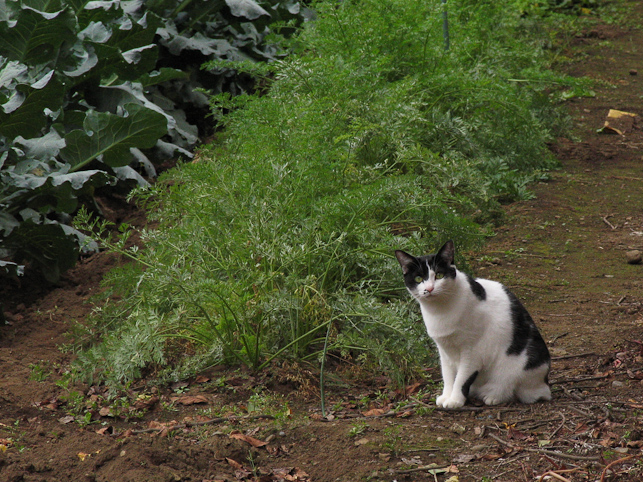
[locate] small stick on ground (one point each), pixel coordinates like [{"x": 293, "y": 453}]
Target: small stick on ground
[
  {"x": 608, "y": 223},
  {"x": 546, "y": 452},
  {"x": 553, "y": 434},
  {"x": 576, "y": 380},
  {"x": 611, "y": 464},
  {"x": 198, "y": 424},
  {"x": 554, "y": 475},
  {"x": 580, "y": 355},
  {"x": 421, "y": 469}
]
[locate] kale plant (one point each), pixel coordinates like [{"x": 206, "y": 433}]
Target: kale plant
[{"x": 93, "y": 94}]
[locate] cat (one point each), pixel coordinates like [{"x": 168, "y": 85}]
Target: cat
[{"x": 488, "y": 344}]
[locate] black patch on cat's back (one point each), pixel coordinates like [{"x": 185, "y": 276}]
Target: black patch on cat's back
[
  {"x": 477, "y": 288},
  {"x": 467, "y": 385},
  {"x": 526, "y": 335}
]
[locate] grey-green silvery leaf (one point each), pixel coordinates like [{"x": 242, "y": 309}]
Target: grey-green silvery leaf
[
  {"x": 12, "y": 71},
  {"x": 246, "y": 8},
  {"x": 42, "y": 148},
  {"x": 12, "y": 269}
]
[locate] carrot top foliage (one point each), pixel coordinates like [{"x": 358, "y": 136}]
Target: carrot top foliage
[{"x": 278, "y": 240}]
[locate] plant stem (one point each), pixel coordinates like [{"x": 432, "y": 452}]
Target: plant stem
[{"x": 321, "y": 374}]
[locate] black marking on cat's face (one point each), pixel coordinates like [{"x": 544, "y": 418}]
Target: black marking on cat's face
[
  {"x": 467, "y": 385},
  {"x": 416, "y": 269},
  {"x": 526, "y": 336}
]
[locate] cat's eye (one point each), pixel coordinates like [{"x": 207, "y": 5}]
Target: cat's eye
[
  {"x": 439, "y": 275},
  {"x": 419, "y": 279}
]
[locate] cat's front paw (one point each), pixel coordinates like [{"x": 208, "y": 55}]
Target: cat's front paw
[
  {"x": 450, "y": 402},
  {"x": 441, "y": 399}
]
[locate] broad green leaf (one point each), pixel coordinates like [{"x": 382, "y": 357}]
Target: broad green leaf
[
  {"x": 165, "y": 74},
  {"x": 109, "y": 137},
  {"x": 25, "y": 114},
  {"x": 36, "y": 36},
  {"x": 177, "y": 43},
  {"x": 43, "y": 189},
  {"x": 48, "y": 244},
  {"x": 176, "y": 123}
]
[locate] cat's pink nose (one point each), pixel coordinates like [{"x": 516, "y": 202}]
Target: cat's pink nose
[{"x": 428, "y": 289}]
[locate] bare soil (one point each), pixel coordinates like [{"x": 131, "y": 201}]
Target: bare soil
[{"x": 563, "y": 253}]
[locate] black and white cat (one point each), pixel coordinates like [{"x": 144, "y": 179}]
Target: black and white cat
[{"x": 489, "y": 346}]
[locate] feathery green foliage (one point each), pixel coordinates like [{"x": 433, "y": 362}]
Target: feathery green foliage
[{"x": 369, "y": 138}]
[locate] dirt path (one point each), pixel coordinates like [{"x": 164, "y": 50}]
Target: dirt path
[{"x": 563, "y": 253}]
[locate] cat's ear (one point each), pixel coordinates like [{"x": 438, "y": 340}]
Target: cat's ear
[
  {"x": 447, "y": 253},
  {"x": 406, "y": 260}
]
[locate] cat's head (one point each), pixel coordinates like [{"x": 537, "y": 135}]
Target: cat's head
[{"x": 428, "y": 276}]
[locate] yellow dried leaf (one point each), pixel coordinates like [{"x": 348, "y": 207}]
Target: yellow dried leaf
[{"x": 82, "y": 456}]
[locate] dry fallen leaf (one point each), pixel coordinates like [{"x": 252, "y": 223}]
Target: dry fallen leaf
[
  {"x": 105, "y": 430},
  {"x": 375, "y": 412},
  {"x": 105, "y": 412},
  {"x": 464, "y": 458},
  {"x": 246, "y": 438},
  {"x": 362, "y": 441},
  {"x": 155, "y": 424},
  {"x": 189, "y": 400},
  {"x": 618, "y": 122},
  {"x": 67, "y": 419},
  {"x": 233, "y": 463},
  {"x": 144, "y": 403}
]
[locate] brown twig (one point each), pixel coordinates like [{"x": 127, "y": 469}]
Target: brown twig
[
  {"x": 581, "y": 412},
  {"x": 554, "y": 475},
  {"x": 580, "y": 355},
  {"x": 421, "y": 469},
  {"x": 576, "y": 380},
  {"x": 627, "y": 178},
  {"x": 544, "y": 451},
  {"x": 198, "y": 424},
  {"x": 608, "y": 466},
  {"x": 553, "y": 434},
  {"x": 608, "y": 223}
]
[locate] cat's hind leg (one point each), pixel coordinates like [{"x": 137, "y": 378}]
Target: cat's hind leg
[
  {"x": 534, "y": 387},
  {"x": 531, "y": 395},
  {"x": 496, "y": 393}
]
